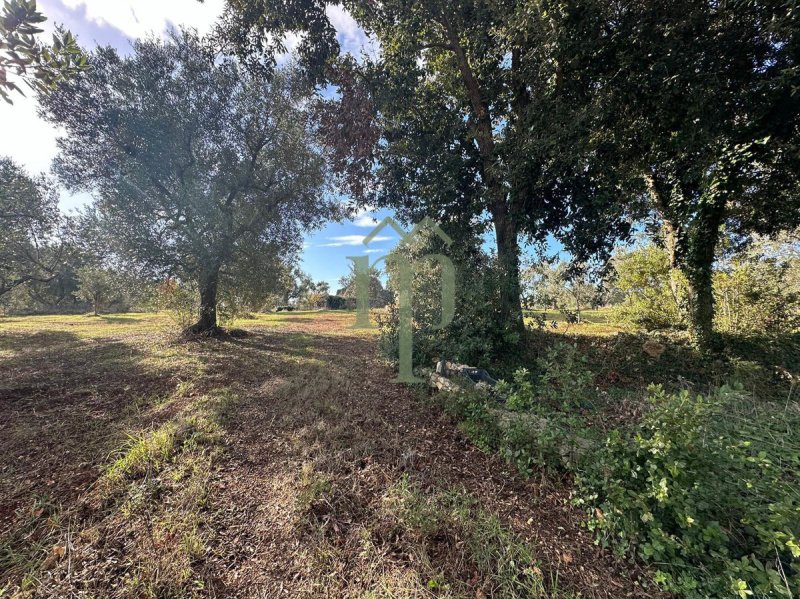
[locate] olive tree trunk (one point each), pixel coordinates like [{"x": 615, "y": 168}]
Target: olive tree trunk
[{"x": 207, "y": 323}]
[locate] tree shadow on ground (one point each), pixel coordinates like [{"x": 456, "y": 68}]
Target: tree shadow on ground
[
  {"x": 315, "y": 442},
  {"x": 319, "y": 444},
  {"x": 65, "y": 402}
]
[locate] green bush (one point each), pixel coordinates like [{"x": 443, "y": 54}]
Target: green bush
[
  {"x": 181, "y": 300},
  {"x": 705, "y": 488},
  {"x": 335, "y": 302},
  {"x": 656, "y": 297},
  {"x": 753, "y": 293},
  {"x": 566, "y": 381},
  {"x": 477, "y": 334},
  {"x": 525, "y": 430},
  {"x": 754, "y": 297}
]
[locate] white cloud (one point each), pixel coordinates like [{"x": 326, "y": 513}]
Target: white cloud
[
  {"x": 351, "y": 37},
  {"x": 138, "y": 18},
  {"x": 366, "y": 220},
  {"x": 375, "y": 251},
  {"x": 346, "y": 240},
  {"x": 26, "y": 138}
]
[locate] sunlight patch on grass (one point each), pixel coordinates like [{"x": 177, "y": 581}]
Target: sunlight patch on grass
[
  {"x": 106, "y": 325},
  {"x": 593, "y": 322}
]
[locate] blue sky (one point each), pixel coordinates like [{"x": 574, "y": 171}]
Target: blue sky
[
  {"x": 326, "y": 251},
  {"x": 32, "y": 142}
]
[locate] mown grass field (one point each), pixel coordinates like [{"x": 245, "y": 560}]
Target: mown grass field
[
  {"x": 136, "y": 464},
  {"x": 593, "y": 322}
]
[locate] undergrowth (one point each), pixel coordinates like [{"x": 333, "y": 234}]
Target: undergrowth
[
  {"x": 704, "y": 487},
  {"x": 143, "y": 532}
]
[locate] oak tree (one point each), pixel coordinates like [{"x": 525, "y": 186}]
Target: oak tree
[
  {"x": 699, "y": 102},
  {"x": 450, "y": 122}
]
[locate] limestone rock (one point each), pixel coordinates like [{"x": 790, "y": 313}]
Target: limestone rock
[{"x": 653, "y": 348}]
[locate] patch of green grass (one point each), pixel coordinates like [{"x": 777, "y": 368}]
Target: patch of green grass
[
  {"x": 477, "y": 541},
  {"x": 414, "y": 543},
  {"x": 171, "y": 507},
  {"x": 593, "y": 322},
  {"x": 105, "y": 326},
  {"x": 150, "y": 452},
  {"x": 154, "y": 496},
  {"x": 24, "y": 550},
  {"x": 313, "y": 487},
  {"x": 146, "y": 453}
]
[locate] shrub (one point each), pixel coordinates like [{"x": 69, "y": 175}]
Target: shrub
[
  {"x": 753, "y": 293},
  {"x": 755, "y": 297},
  {"x": 705, "y": 488},
  {"x": 566, "y": 380},
  {"x": 473, "y": 411},
  {"x": 181, "y": 300},
  {"x": 476, "y": 336},
  {"x": 656, "y": 296},
  {"x": 525, "y": 431},
  {"x": 335, "y": 302}
]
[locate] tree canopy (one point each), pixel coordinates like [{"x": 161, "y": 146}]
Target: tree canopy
[
  {"x": 698, "y": 101},
  {"x": 29, "y": 220},
  {"x": 455, "y": 120},
  {"x": 201, "y": 170}
]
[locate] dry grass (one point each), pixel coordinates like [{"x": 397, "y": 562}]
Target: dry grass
[
  {"x": 593, "y": 322},
  {"x": 137, "y": 465}
]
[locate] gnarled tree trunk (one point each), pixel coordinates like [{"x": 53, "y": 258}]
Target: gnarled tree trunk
[
  {"x": 700, "y": 270},
  {"x": 691, "y": 243},
  {"x": 207, "y": 323}
]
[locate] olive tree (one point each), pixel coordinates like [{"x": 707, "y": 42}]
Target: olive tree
[
  {"x": 203, "y": 171},
  {"x": 30, "y": 248},
  {"x": 96, "y": 285},
  {"x": 25, "y": 57}
]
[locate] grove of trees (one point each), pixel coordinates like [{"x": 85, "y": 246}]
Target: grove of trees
[
  {"x": 653, "y": 147},
  {"x": 577, "y": 121},
  {"x": 567, "y": 118},
  {"x": 29, "y": 219}
]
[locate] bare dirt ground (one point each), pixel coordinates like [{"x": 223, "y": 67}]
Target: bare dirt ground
[{"x": 281, "y": 464}]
